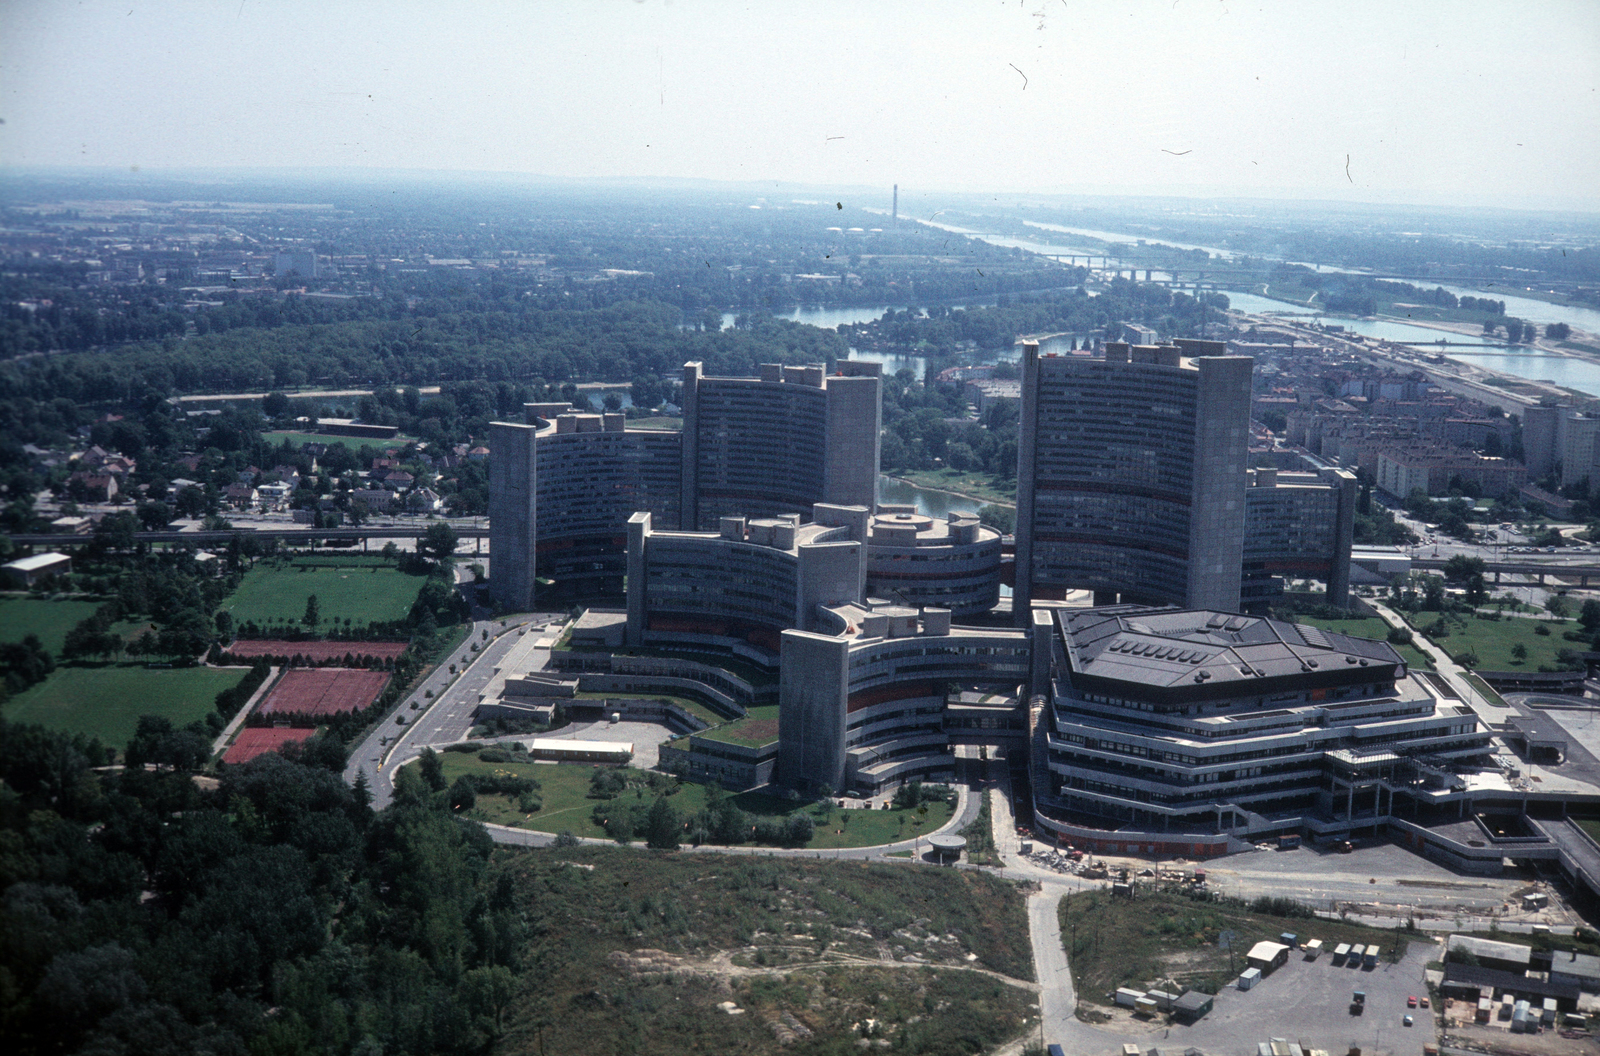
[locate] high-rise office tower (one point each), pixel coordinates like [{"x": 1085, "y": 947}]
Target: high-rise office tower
[
  {"x": 780, "y": 443},
  {"x": 561, "y": 490},
  {"x": 1131, "y": 475},
  {"x": 563, "y": 486}
]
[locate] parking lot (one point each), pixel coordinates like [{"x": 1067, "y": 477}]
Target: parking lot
[
  {"x": 1302, "y": 1001},
  {"x": 1309, "y": 1002}
]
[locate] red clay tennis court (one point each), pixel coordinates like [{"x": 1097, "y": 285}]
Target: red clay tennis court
[
  {"x": 323, "y": 691},
  {"x": 260, "y": 741},
  {"x": 314, "y": 652}
]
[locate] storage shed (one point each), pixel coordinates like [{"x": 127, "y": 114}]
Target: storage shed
[
  {"x": 1267, "y": 956},
  {"x": 1191, "y": 1005}
]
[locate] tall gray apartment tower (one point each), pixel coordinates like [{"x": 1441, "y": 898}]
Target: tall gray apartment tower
[
  {"x": 780, "y": 443},
  {"x": 1131, "y": 475},
  {"x": 513, "y": 513},
  {"x": 563, "y": 487}
]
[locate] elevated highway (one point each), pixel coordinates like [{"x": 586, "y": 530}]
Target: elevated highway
[
  {"x": 1536, "y": 569},
  {"x": 304, "y": 533}
]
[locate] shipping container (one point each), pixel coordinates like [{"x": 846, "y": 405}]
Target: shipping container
[
  {"x": 1249, "y": 977},
  {"x": 1313, "y": 949},
  {"x": 1485, "y": 1009},
  {"x": 1340, "y": 952},
  {"x": 1370, "y": 958}
]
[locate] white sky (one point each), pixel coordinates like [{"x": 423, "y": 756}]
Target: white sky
[{"x": 1463, "y": 102}]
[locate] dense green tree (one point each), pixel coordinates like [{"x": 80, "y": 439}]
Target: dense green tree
[
  {"x": 663, "y": 827},
  {"x": 432, "y": 769},
  {"x": 1463, "y": 566},
  {"x": 438, "y": 541},
  {"x": 1002, "y": 519}
]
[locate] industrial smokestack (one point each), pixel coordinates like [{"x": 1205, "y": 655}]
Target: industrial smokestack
[{"x": 894, "y": 214}]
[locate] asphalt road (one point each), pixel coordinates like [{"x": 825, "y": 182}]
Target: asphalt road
[{"x": 447, "y": 717}]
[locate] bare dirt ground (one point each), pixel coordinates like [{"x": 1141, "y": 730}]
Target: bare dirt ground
[{"x": 722, "y": 966}]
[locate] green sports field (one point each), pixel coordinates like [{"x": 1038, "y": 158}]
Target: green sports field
[
  {"x": 106, "y": 701},
  {"x": 371, "y": 591},
  {"x": 50, "y": 620}
]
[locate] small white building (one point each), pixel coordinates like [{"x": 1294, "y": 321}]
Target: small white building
[
  {"x": 1267, "y": 955},
  {"x": 574, "y": 751},
  {"x": 25, "y": 572}
]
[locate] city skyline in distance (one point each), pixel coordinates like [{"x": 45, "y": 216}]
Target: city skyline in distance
[{"x": 1469, "y": 104}]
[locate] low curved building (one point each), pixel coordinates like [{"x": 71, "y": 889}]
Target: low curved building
[
  {"x": 741, "y": 587},
  {"x": 861, "y": 704},
  {"x": 917, "y": 560},
  {"x": 1173, "y": 730}
]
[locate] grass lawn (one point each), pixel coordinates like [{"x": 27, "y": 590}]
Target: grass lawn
[
  {"x": 1370, "y": 627},
  {"x": 361, "y": 591},
  {"x": 759, "y": 726},
  {"x": 985, "y": 487},
  {"x": 662, "y": 422},
  {"x": 50, "y": 620},
  {"x": 354, "y": 443},
  {"x": 564, "y": 790},
  {"x": 1113, "y": 942},
  {"x": 1493, "y": 640},
  {"x": 693, "y": 707},
  {"x": 106, "y": 701},
  {"x": 1483, "y": 690}
]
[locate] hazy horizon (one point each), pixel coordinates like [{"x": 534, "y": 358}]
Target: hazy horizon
[{"x": 1429, "y": 105}]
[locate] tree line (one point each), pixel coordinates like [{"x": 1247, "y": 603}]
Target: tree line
[{"x": 274, "y": 913}]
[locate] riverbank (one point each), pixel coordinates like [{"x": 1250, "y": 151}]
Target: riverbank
[
  {"x": 973, "y": 487},
  {"x": 1542, "y": 346}
]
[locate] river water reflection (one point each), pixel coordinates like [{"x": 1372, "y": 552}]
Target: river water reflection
[{"x": 929, "y": 503}]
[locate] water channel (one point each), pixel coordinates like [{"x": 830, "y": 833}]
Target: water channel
[
  {"x": 1519, "y": 307},
  {"x": 928, "y": 502},
  {"x": 1506, "y": 359}
]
